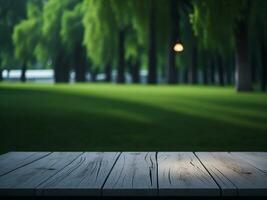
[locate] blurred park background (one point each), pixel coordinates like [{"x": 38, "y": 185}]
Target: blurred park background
[{"x": 133, "y": 75}]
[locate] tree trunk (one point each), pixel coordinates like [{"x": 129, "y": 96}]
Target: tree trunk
[
  {"x": 205, "y": 74},
  {"x": 94, "y": 75},
  {"x": 220, "y": 71},
  {"x": 243, "y": 70},
  {"x": 192, "y": 74},
  {"x": 171, "y": 68},
  {"x": 185, "y": 75},
  {"x": 80, "y": 65},
  {"x": 229, "y": 75},
  {"x": 1, "y": 74},
  {"x": 263, "y": 65},
  {"x": 23, "y": 72},
  {"x": 121, "y": 66},
  {"x": 212, "y": 71},
  {"x": 253, "y": 69},
  {"x": 108, "y": 72},
  {"x": 61, "y": 69},
  {"x": 152, "y": 57},
  {"x": 136, "y": 72}
]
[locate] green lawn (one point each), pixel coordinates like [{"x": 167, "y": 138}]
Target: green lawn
[{"x": 102, "y": 117}]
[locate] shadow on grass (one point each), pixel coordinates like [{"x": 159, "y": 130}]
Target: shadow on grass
[{"x": 51, "y": 121}]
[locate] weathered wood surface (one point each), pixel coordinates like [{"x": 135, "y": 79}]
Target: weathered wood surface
[
  {"x": 85, "y": 176},
  {"x": 135, "y": 173},
  {"x": 235, "y": 175},
  {"x": 24, "y": 180},
  {"x": 257, "y": 159},
  {"x": 181, "y": 173},
  {"x": 14, "y": 160}
]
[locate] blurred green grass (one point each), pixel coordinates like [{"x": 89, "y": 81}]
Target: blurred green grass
[{"x": 109, "y": 117}]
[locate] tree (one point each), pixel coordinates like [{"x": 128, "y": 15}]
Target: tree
[
  {"x": 53, "y": 47},
  {"x": 26, "y": 35},
  {"x": 151, "y": 21},
  {"x": 133, "y": 54},
  {"x": 122, "y": 10},
  {"x": 72, "y": 33},
  {"x": 176, "y": 10},
  {"x": 258, "y": 39},
  {"x": 11, "y": 12},
  {"x": 189, "y": 57},
  {"x": 101, "y": 35},
  {"x": 174, "y": 37},
  {"x": 222, "y": 22}
]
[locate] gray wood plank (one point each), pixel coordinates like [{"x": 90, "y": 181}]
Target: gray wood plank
[
  {"x": 233, "y": 174},
  {"x": 181, "y": 174},
  {"x": 24, "y": 180},
  {"x": 14, "y": 160},
  {"x": 135, "y": 173},
  {"x": 85, "y": 176},
  {"x": 257, "y": 159}
]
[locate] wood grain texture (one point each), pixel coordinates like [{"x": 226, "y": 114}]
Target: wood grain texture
[
  {"x": 14, "y": 160},
  {"x": 181, "y": 174},
  {"x": 233, "y": 174},
  {"x": 84, "y": 176},
  {"x": 257, "y": 159},
  {"x": 24, "y": 180},
  {"x": 135, "y": 173}
]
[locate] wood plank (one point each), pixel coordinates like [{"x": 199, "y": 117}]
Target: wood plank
[
  {"x": 135, "y": 173},
  {"x": 85, "y": 176},
  {"x": 14, "y": 160},
  {"x": 24, "y": 180},
  {"x": 181, "y": 174},
  {"x": 257, "y": 159},
  {"x": 233, "y": 174}
]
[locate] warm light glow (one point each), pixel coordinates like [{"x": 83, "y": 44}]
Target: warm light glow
[{"x": 178, "y": 47}]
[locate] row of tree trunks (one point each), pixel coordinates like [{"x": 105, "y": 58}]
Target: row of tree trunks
[
  {"x": 171, "y": 68},
  {"x": 152, "y": 48},
  {"x": 62, "y": 66}
]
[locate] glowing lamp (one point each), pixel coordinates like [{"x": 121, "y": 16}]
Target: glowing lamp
[{"x": 178, "y": 47}]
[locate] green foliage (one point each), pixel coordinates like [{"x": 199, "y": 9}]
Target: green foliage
[
  {"x": 53, "y": 27},
  {"x": 214, "y": 23},
  {"x": 52, "y": 24},
  {"x": 11, "y": 12},
  {"x": 101, "y": 31},
  {"x": 26, "y": 35},
  {"x": 72, "y": 30}
]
